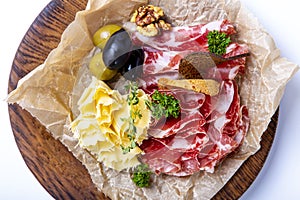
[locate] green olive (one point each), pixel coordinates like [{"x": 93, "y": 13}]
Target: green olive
[
  {"x": 103, "y": 34},
  {"x": 98, "y": 68}
]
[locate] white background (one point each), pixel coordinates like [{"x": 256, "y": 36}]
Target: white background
[{"x": 279, "y": 178}]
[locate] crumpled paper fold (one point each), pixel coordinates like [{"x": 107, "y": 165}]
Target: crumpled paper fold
[{"x": 50, "y": 92}]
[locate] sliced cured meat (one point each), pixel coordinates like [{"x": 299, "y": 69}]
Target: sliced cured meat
[
  {"x": 196, "y": 143},
  {"x": 163, "y": 53},
  {"x": 160, "y": 64},
  {"x": 229, "y": 69},
  {"x": 190, "y": 124},
  {"x": 209, "y": 127},
  {"x": 184, "y": 38},
  {"x": 190, "y": 120}
]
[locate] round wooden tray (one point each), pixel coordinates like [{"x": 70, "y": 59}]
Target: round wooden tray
[{"x": 61, "y": 174}]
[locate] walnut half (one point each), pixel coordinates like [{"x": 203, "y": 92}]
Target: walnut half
[{"x": 149, "y": 20}]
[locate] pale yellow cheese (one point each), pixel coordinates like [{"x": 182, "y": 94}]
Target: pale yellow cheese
[{"x": 101, "y": 128}]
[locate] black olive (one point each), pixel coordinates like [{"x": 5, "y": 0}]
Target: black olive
[
  {"x": 134, "y": 66},
  {"x": 117, "y": 50}
]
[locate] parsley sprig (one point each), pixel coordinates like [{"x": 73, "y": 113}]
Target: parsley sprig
[
  {"x": 217, "y": 42},
  {"x": 141, "y": 176},
  {"x": 163, "y": 105}
]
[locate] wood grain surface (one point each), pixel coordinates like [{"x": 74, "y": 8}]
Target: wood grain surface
[{"x": 61, "y": 174}]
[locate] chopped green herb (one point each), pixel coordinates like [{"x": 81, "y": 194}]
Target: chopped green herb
[
  {"x": 141, "y": 176},
  {"x": 217, "y": 42},
  {"x": 163, "y": 105}
]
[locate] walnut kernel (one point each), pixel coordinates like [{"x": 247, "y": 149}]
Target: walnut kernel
[
  {"x": 149, "y": 31},
  {"x": 149, "y": 20}
]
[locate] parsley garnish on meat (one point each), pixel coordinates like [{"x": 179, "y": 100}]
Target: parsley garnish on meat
[
  {"x": 163, "y": 105},
  {"x": 141, "y": 176},
  {"x": 217, "y": 42}
]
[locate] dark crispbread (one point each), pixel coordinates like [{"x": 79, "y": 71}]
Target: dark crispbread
[{"x": 195, "y": 65}]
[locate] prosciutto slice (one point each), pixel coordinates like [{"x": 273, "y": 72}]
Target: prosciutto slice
[
  {"x": 205, "y": 135},
  {"x": 163, "y": 53},
  {"x": 209, "y": 127},
  {"x": 185, "y": 38}
]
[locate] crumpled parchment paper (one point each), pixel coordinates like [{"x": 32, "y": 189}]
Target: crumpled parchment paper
[{"x": 50, "y": 92}]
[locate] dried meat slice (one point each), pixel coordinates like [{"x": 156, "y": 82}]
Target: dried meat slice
[
  {"x": 184, "y": 38},
  {"x": 230, "y": 69},
  {"x": 159, "y": 64},
  {"x": 185, "y": 150},
  {"x": 209, "y": 127},
  {"x": 190, "y": 120},
  {"x": 163, "y": 53}
]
